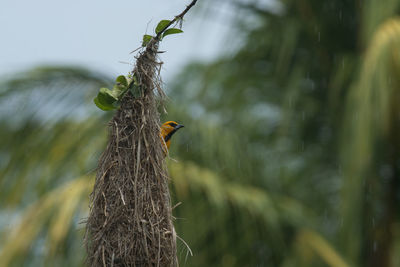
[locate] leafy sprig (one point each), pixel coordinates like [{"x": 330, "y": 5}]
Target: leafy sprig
[
  {"x": 160, "y": 29},
  {"x": 108, "y": 99}
]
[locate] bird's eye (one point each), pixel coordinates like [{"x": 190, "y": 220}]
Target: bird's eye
[{"x": 173, "y": 124}]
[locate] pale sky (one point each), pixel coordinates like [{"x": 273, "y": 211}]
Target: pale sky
[{"x": 99, "y": 34}]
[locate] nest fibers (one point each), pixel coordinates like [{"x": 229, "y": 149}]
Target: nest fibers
[{"x": 130, "y": 220}]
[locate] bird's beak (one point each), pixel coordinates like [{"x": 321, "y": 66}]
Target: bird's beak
[{"x": 179, "y": 126}]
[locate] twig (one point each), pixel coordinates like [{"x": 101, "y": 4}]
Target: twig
[
  {"x": 156, "y": 38},
  {"x": 179, "y": 17}
]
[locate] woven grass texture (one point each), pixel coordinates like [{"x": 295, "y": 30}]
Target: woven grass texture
[{"x": 130, "y": 220}]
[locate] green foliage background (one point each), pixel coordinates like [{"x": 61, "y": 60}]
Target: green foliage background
[{"x": 289, "y": 157}]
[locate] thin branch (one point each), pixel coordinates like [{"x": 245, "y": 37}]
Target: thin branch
[
  {"x": 179, "y": 17},
  {"x": 156, "y": 38}
]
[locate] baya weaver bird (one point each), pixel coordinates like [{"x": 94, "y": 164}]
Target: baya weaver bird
[{"x": 167, "y": 131}]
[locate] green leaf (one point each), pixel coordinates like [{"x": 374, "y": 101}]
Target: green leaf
[
  {"x": 172, "y": 31},
  {"x": 121, "y": 79},
  {"x": 106, "y": 97},
  {"x": 118, "y": 91},
  {"x": 117, "y": 104},
  {"x": 135, "y": 79},
  {"x": 146, "y": 39},
  {"x": 161, "y": 25},
  {"x": 101, "y": 106},
  {"x": 136, "y": 90}
]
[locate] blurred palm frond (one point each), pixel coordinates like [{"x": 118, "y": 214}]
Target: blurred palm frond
[
  {"x": 370, "y": 117},
  {"x": 55, "y": 213}
]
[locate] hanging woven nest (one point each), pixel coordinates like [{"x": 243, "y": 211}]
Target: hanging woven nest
[{"x": 130, "y": 220}]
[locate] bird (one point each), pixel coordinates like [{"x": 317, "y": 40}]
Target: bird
[{"x": 167, "y": 130}]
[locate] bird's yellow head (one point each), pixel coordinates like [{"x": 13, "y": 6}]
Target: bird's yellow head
[{"x": 168, "y": 129}]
